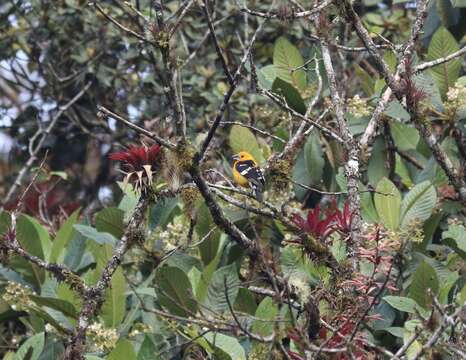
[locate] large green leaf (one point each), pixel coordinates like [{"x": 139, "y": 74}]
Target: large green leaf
[
  {"x": 314, "y": 157},
  {"x": 99, "y": 237},
  {"x": 242, "y": 139},
  {"x": 266, "y": 312},
  {"x": 455, "y": 237},
  {"x": 5, "y": 221},
  {"x": 110, "y": 220},
  {"x": 113, "y": 309},
  {"x": 300, "y": 175},
  {"x": 63, "y": 237},
  {"x": 286, "y": 58},
  {"x": 405, "y": 137},
  {"x": 205, "y": 227},
  {"x": 218, "y": 291},
  {"x": 229, "y": 345},
  {"x": 174, "y": 291},
  {"x": 32, "y": 236},
  {"x": 123, "y": 350},
  {"x": 401, "y": 303},
  {"x": 31, "y": 348},
  {"x": 245, "y": 302},
  {"x": 387, "y": 201},
  {"x": 53, "y": 349},
  {"x": 443, "y": 44},
  {"x": 57, "y": 304},
  {"x": 266, "y": 76},
  {"x": 377, "y": 168},
  {"x": 290, "y": 93},
  {"x": 418, "y": 203},
  {"x": 424, "y": 278},
  {"x": 147, "y": 349}
]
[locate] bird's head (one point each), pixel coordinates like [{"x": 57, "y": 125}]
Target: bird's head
[{"x": 242, "y": 156}]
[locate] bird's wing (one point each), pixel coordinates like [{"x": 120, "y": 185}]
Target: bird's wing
[{"x": 250, "y": 171}]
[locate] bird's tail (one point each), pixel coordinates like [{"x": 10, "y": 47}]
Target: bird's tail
[{"x": 257, "y": 191}]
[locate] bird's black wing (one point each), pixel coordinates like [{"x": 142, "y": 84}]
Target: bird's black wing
[{"x": 254, "y": 174}]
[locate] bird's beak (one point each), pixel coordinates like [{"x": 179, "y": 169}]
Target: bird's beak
[{"x": 235, "y": 157}]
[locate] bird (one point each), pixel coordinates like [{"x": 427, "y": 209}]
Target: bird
[{"x": 247, "y": 173}]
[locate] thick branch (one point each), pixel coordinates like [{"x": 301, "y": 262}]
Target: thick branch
[{"x": 94, "y": 297}]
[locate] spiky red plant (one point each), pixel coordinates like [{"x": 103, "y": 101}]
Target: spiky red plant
[
  {"x": 314, "y": 225},
  {"x": 343, "y": 219},
  {"x": 138, "y": 163}
]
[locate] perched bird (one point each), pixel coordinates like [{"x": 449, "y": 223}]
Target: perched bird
[{"x": 247, "y": 173}]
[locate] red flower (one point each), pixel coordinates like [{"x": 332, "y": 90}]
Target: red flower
[
  {"x": 343, "y": 219},
  {"x": 314, "y": 225},
  {"x": 138, "y": 163},
  {"x": 136, "y": 157}
]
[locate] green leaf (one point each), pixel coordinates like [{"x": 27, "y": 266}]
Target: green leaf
[
  {"x": 387, "y": 201},
  {"x": 266, "y": 311},
  {"x": 113, "y": 309},
  {"x": 229, "y": 345},
  {"x": 402, "y": 170},
  {"x": 286, "y": 58},
  {"x": 174, "y": 291},
  {"x": 368, "y": 211},
  {"x": 242, "y": 139},
  {"x": 314, "y": 157},
  {"x": 209, "y": 247},
  {"x": 53, "y": 349},
  {"x": 396, "y": 111},
  {"x": 414, "y": 347},
  {"x": 418, "y": 203},
  {"x": 457, "y": 233},
  {"x": 99, "y": 237},
  {"x": 443, "y": 44},
  {"x": 147, "y": 349},
  {"x": 300, "y": 175},
  {"x": 32, "y": 236},
  {"x": 266, "y": 76},
  {"x": 405, "y": 137},
  {"x": 424, "y": 278},
  {"x": 163, "y": 211},
  {"x": 366, "y": 81},
  {"x": 245, "y": 302},
  {"x": 401, "y": 303},
  {"x": 395, "y": 331},
  {"x": 291, "y": 95},
  {"x": 63, "y": 237},
  {"x": 63, "y": 306},
  {"x": 110, "y": 220},
  {"x": 377, "y": 163},
  {"x": 217, "y": 292},
  {"x": 5, "y": 221},
  {"x": 339, "y": 250},
  {"x": 31, "y": 348},
  {"x": 123, "y": 350}
]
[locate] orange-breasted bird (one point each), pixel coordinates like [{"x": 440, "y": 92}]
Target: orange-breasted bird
[{"x": 247, "y": 173}]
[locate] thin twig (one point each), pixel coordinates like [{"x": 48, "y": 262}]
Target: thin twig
[
  {"x": 205, "y": 8},
  {"x": 430, "y": 64},
  {"x": 137, "y": 128}
]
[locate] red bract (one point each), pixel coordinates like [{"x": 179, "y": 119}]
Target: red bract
[
  {"x": 135, "y": 158},
  {"x": 314, "y": 225},
  {"x": 343, "y": 219},
  {"x": 138, "y": 163}
]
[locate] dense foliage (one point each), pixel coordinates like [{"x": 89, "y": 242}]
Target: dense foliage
[{"x": 123, "y": 235}]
